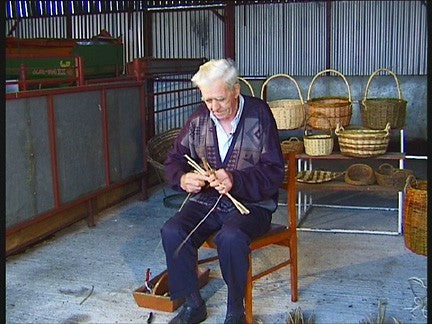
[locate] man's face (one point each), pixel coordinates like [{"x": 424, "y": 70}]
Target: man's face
[{"x": 220, "y": 100}]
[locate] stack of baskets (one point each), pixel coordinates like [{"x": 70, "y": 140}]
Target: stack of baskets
[
  {"x": 288, "y": 113},
  {"x": 415, "y": 216}
]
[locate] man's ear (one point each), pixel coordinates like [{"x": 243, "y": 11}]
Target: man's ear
[{"x": 237, "y": 89}]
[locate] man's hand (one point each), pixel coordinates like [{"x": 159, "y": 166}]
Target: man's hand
[
  {"x": 221, "y": 180},
  {"x": 192, "y": 182}
]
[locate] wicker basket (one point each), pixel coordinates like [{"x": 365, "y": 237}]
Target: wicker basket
[
  {"x": 288, "y": 113},
  {"x": 389, "y": 176},
  {"x": 318, "y": 144},
  {"x": 337, "y": 109},
  {"x": 363, "y": 142},
  {"x": 360, "y": 174},
  {"x": 377, "y": 112},
  {"x": 415, "y": 216},
  {"x": 158, "y": 147},
  {"x": 248, "y": 85},
  {"x": 293, "y": 144}
]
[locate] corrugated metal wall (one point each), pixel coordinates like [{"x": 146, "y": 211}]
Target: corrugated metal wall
[
  {"x": 288, "y": 38},
  {"x": 188, "y": 34}
]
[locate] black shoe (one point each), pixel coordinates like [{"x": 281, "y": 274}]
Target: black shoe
[
  {"x": 235, "y": 319},
  {"x": 190, "y": 315}
]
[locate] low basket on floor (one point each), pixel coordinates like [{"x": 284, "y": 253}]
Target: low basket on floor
[
  {"x": 363, "y": 142},
  {"x": 377, "y": 112},
  {"x": 157, "y": 149},
  {"x": 415, "y": 215},
  {"x": 288, "y": 113},
  {"x": 337, "y": 110},
  {"x": 389, "y": 176}
]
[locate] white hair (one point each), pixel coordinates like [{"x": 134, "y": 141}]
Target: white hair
[{"x": 214, "y": 70}]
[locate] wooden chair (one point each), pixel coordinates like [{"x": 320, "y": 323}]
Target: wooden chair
[{"x": 278, "y": 234}]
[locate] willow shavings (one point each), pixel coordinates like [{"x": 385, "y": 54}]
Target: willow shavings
[{"x": 91, "y": 292}]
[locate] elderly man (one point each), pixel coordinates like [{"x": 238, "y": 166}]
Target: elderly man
[{"x": 238, "y": 137}]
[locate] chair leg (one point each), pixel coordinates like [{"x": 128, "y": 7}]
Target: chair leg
[
  {"x": 293, "y": 268},
  {"x": 248, "y": 294}
]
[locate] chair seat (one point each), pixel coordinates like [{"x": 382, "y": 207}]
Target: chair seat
[{"x": 275, "y": 230}]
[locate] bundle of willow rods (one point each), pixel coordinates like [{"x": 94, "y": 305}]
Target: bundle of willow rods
[{"x": 241, "y": 208}]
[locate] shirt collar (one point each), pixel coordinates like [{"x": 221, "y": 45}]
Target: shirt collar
[{"x": 236, "y": 119}]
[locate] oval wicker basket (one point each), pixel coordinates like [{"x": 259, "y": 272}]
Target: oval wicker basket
[
  {"x": 318, "y": 144},
  {"x": 248, "y": 85},
  {"x": 288, "y": 113},
  {"x": 415, "y": 215},
  {"x": 158, "y": 147},
  {"x": 377, "y": 112},
  {"x": 389, "y": 176},
  {"x": 363, "y": 142},
  {"x": 293, "y": 144},
  {"x": 360, "y": 174},
  {"x": 338, "y": 110}
]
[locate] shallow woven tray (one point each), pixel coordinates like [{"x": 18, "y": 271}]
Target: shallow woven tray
[{"x": 317, "y": 176}]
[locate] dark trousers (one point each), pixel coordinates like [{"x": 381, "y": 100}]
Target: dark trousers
[{"x": 235, "y": 232}]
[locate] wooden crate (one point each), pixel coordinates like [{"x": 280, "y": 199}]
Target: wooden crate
[{"x": 156, "y": 300}]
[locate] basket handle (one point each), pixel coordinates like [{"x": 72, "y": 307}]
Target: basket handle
[
  {"x": 284, "y": 76},
  {"x": 248, "y": 85},
  {"x": 373, "y": 74},
  {"x": 409, "y": 181},
  {"x": 325, "y": 71},
  {"x": 386, "y": 166},
  {"x": 293, "y": 139},
  {"x": 314, "y": 115}
]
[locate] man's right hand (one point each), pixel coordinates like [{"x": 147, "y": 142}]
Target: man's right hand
[{"x": 192, "y": 182}]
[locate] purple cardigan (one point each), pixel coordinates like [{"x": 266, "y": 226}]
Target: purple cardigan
[{"x": 254, "y": 157}]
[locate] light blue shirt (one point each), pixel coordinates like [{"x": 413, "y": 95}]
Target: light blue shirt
[{"x": 224, "y": 138}]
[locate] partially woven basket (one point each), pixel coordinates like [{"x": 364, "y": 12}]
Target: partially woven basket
[
  {"x": 293, "y": 144},
  {"x": 363, "y": 142},
  {"x": 389, "y": 176},
  {"x": 318, "y": 144},
  {"x": 377, "y": 112},
  {"x": 157, "y": 149},
  {"x": 338, "y": 110},
  {"x": 360, "y": 174},
  {"x": 288, "y": 113},
  {"x": 415, "y": 216}
]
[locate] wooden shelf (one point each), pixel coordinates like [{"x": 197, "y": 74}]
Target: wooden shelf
[
  {"x": 339, "y": 156},
  {"x": 338, "y": 185}
]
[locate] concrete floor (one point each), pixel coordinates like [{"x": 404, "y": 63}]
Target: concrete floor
[{"x": 88, "y": 275}]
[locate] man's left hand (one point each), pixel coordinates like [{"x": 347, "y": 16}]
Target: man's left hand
[{"x": 222, "y": 181}]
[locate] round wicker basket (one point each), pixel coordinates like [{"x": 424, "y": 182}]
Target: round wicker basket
[
  {"x": 338, "y": 110},
  {"x": 363, "y": 142},
  {"x": 360, "y": 174},
  {"x": 377, "y": 112},
  {"x": 415, "y": 215},
  {"x": 293, "y": 144},
  {"x": 389, "y": 176},
  {"x": 318, "y": 144},
  {"x": 288, "y": 113},
  {"x": 158, "y": 147}
]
